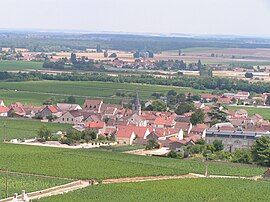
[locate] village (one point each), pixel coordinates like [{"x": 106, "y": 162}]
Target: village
[{"x": 116, "y": 124}]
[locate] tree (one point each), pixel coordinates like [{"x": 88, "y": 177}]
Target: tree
[
  {"x": 197, "y": 117},
  {"x": 73, "y": 58},
  {"x": 70, "y": 100},
  {"x": 249, "y": 75},
  {"x": 152, "y": 144},
  {"x": 218, "y": 145},
  {"x": 157, "y": 105},
  {"x": 44, "y": 133},
  {"x": 242, "y": 156},
  {"x": 261, "y": 151},
  {"x": 184, "y": 108}
]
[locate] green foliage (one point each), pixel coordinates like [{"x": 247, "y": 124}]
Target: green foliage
[
  {"x": 91, "y": 164},
  {"x": 152, "y": 144},
  {"x": 261, "y": 151},
  {"x": 172, "y": 190},
  {"x": 218, "y": 146},
  {"x": 157, "y": 105},
  {"x": 242, "y": 156},
  {"x": 184, "y": 108},
  {"x": 197, "y": 117},
  {"x": 70, "y": 100},
  {"x": 44, "y": 133},
  {"x": 17, "y": 183}
]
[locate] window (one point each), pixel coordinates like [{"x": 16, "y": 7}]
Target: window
[
  {"x": 63, "y": 119},
  {"x": 67, "y": 119}
]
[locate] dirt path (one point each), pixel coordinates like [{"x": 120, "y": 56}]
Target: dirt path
[
  {"x": 52, "y": 191},
  {"x": 79, "y": 184},
  {"x": 143, "y": 179}
]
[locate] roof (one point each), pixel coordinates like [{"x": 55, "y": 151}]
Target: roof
[
  {"x": 182, "y": 125},
  {"x": 68, "y": 107},
  {"x": 139, "y": 131},
  {"x": 52, "y": 108},
  {"x": 95, "y": 124},
  {"x": 199, "y": 128},
  {"x": 92, "y": 103},
  {"x": 4, "y": 109}
]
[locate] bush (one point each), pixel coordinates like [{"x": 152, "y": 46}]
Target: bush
[{"x": 242, "y": 156}]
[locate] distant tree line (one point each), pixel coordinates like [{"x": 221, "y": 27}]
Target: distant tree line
[{"x": 214, "y": 83}]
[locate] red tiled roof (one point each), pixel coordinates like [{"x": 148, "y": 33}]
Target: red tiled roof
[
  {"x": 95, "y": 124},
  {"x": 53, "y": 109},
  {"x": 4, "y": 109}
]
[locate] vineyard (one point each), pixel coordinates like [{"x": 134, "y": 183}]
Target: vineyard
[
  {"x": 16, "y": 183},
  {"x": 36, "y": 92},
  {"x": 25, "y": 128},
  {"x": 173, "y": 190},
  {"x": 90, "y": 164}
]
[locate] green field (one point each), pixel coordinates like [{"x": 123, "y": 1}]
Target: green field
[
  {"x": 37, "y": 91},
  {"x": 16, "y": 183},
  {"x": 25, "y": 128},
  {"x": 6, "y": 65},
  {"x": 265, "y": 112},
  {"x": 92, "y": 164},
  {"x": 173, "y": 190}
]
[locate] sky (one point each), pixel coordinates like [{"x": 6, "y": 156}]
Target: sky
[{"x": 226, "y": 17}]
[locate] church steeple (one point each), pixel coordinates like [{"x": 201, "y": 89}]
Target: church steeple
[{"x": 136, "y": 106}]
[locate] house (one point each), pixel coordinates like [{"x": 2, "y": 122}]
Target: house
[
  {"x": 140, "y": 133},
  {"x": 136, "y": 120},
  {"x": 241, "y": 113},
  {"x": 16, "y": 110},
  {"x": 4, "y": 111},
  {"x": 71, "y": 117},
  {"x": 30, "y": 111},
  {"x": 98, "y": 126},
  {"x": 234, "y": 139},
  {"x": 93, "y": 105},
  {"x": 242, "y": 95},
  {"x": 50, "y": 110},
  {"x": 185, "y": 126},
  {"x": 65, "y": 107},
  {"x": 199, "y": 129},
  {"x": 125, "y": 135}
]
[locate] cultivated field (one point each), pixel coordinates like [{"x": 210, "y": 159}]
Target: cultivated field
[
  {"x": 23, "y": 128},
  {"x": 265, "y": 112},
  {"x": 11, "y": 65},
  {"x": 92, "y": 164},
  {"x": 173, "y": 190},
  {"x": 17, "y": 182},
  {"x": 237, "y": 56},
  {"x": 36, "y": 92}
]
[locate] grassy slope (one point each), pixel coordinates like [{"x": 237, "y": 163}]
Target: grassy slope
[
  {"x": 173, "y": 190},
  {"x": 17, "y": 183},
  {"x": 26, "y": 128},
  {"x": 61, "y": 89},
  {"x": 91, "y": 164},
  {"x": 19, "y": 65},
  {"x": 254, "y": 110}
]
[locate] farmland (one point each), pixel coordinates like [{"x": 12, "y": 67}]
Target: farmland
[
  {"x": 11, "y": 65},
  {"x": 24, "y": 128},
  {"x": 173, "y": 190},
  {"x": 265, "y": 112},
  {"x": 17, "y": 183},
  {"x": 36, "y": 92},
  {"x": 91, "y": 164}
]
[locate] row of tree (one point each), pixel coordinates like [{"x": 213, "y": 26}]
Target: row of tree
[{"x": 215, "y": 83}]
